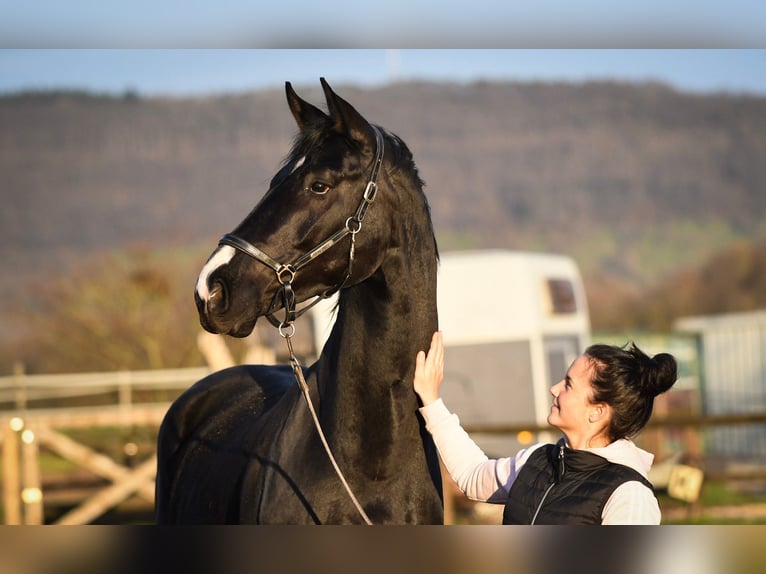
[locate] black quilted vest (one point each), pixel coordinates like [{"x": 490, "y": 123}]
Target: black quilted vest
[{"x": 564, "y": 486}]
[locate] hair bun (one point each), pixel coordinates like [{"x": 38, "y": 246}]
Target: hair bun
[{"x": 662, "y": 374}]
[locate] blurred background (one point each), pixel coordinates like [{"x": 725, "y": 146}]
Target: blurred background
[{"x": 121, "y": 168}]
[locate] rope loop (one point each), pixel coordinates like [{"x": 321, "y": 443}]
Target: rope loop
[{"x": 301, "y": 380}]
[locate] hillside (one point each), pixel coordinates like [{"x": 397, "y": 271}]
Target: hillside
[
  {"x": 636, "y": 181},
  {"x": 731, "y": 280}
]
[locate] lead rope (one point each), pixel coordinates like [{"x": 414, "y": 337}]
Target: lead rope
[{"x": 298, "y": 372}]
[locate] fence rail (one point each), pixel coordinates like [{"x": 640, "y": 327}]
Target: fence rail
[{"x": 21, "y": 391}]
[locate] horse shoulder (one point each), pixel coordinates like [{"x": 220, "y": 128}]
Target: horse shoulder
[{"x": 236, "y": 393}]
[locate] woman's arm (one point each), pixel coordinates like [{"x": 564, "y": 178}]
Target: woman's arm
[
  {"x": 631, "y": 503},
  {"x": 477, "y": 476}
]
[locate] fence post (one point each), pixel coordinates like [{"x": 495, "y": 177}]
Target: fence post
[
  {"x": 11, "y": 483},
  {"x": 31, "y": 491},
  {"x": 125, "y": 391},
  {"x": 19, "y": 381}
]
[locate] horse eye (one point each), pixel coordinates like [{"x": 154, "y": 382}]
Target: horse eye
[{"x": 319, "y": 187}]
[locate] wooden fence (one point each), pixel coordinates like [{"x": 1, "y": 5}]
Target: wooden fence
[{"x": 27, "y": 426}]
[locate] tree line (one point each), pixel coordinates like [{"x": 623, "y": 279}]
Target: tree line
[{"x": 657, "y": 194}]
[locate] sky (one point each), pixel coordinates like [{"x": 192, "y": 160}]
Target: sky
[
  {"x": 197, "y": 47},
  {"x": 390, "y": 23},
  {"x": 196, "y": 72}
]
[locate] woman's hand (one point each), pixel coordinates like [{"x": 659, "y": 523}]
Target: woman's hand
[{"x": 429, "y": 370}]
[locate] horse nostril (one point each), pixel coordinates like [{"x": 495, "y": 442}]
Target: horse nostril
[{"x": 216, "y": 301}]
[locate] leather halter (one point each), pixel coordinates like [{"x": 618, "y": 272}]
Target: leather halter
[{"x": 285, "y": 273}]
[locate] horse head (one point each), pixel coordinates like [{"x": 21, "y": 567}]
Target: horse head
[{"x": 300, "y": 240}]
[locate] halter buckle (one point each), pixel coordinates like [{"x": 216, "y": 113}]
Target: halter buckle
[{"x": 370, "y": 191}]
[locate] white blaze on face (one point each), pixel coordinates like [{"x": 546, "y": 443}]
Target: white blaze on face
[
  {"x": 222, "y": 256},
  {"x": 298, "y": 163}
]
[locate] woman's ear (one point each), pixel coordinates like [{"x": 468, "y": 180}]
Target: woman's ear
[{"x": 598, "y": 412}]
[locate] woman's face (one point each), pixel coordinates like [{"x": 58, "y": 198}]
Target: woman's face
[{"x": 571, "y": 403}]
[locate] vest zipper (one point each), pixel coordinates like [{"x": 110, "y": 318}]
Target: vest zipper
[
  {"x": 539, "y": 506},
  {"x": 556, "y": 478}
]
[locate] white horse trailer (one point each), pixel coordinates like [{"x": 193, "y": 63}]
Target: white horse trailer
[{"x": 512, "y": 322}]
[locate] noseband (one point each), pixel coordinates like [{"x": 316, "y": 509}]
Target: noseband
[{"x": 285, "y": 273}]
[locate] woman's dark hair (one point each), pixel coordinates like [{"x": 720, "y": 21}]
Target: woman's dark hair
[{"x": 627, "y": 380}]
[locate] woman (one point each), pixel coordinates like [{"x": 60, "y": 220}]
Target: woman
[{"x": 595, "y": 474}]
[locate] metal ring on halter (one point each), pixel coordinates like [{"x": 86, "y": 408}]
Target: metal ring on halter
[
  {"x": 349, "y": 227},
  {"x": 284, "y": 334},
  {"x": 289, "y": 269}
]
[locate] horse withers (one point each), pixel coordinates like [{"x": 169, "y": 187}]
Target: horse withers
[{"x": 346, "y": 213}]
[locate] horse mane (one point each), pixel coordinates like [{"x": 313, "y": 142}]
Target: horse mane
[
  {"x": 405, "y": 166},
  {"x": 396, "y": 150}
]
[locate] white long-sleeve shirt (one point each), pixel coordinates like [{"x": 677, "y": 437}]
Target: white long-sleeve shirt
[{"x": 489, "y": 480}]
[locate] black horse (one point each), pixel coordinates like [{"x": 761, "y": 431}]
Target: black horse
[{"x": 346, "y": 212}]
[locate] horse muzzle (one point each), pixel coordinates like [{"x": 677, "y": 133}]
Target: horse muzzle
[{"x": 214, "y": 313}]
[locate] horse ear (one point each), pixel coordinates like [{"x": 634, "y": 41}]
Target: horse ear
[
  {"x": 346, "y": 119},
  {"x": 303, "y": 112}
]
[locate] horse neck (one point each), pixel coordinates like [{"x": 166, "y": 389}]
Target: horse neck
[{"x": 368, "y": 363}]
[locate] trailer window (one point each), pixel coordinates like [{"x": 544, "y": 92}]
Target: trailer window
[{"x": 561, "y": 297}]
